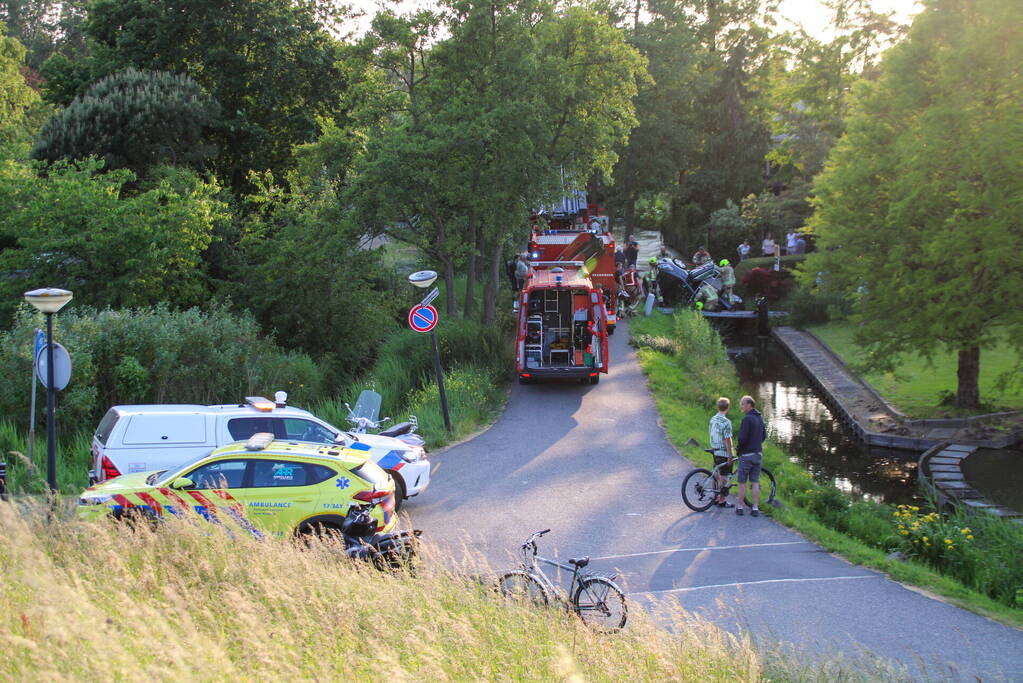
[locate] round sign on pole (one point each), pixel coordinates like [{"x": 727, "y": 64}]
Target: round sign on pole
[
  {"x": 422, "y": 318},
  {"x": 61, "y": 366}
]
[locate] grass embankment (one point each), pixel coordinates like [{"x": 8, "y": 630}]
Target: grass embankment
[
  {"x": 918, "y": 387},
  {"x": 95, "y": 601},
  {"x": 687, "y": 370}
]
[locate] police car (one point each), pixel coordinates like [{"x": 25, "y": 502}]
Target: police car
[
  {"x": 262, "y": 486},
  {"x": 143, "y": 438}
]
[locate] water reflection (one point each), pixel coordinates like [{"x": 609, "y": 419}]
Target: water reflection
[
  {"x": 998, "y": 474},
  {"x": 799, "y": 421}
]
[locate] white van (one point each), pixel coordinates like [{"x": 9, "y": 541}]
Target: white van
[{"x": 143, "y": 438}]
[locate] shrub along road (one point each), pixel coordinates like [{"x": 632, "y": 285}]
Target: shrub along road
[{"x": 592, "y": 463}]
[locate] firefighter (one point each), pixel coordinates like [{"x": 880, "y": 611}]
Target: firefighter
[
  {"x": 706, "y": 298},
  {"x": 702, "y": 256},
  {"x": 633, "y": 287},
  {"x": 650, "y": 277},
  {"x": 727, "y": 279}
]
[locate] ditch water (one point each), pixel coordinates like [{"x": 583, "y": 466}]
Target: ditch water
[{"x": 798, "y": 420}]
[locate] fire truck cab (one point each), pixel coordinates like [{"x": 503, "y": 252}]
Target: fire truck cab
[{"x": 562, "y": 324}]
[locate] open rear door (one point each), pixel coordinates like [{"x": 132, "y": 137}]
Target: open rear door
[{"x": 599, "y": 329}]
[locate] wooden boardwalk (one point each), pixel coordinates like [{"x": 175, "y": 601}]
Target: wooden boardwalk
[{"x": 852, "y": 399}]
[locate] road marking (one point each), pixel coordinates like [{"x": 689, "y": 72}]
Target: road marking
[
  {"x": 754, "y": 583},
  {"x": 709, "y": 547}
]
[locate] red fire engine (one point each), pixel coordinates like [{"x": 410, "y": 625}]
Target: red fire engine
[{"x": 563, "y": 322}]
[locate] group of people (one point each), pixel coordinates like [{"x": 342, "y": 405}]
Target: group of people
[
  {"x": 707, "y": 298},
  {"x": 795, "y": 243},
  {"x": 749, "y": 450}
]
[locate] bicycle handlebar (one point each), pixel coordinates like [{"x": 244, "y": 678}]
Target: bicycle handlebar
[{"x": 532, "y": 538}]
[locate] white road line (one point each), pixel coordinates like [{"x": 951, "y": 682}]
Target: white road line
[
  {"x": 693, "y": 550},
  {"x": 754, "y": 583}
]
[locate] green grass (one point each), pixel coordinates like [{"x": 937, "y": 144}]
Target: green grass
[
  {"x": 687, "y": 370},
  {"x": 917, "y": 386},
  {"x": 188, "y": 601}
]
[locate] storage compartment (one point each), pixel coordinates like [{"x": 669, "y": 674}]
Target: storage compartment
[
  {"x": 557, "y": 332},
  {"x": 165, "y": 429}
]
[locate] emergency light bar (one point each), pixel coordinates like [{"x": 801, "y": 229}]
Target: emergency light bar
[
  {"x": 578, "y": 264},
  {"x": 261, "y": 404},
  {"x": 259, "y": 441}
]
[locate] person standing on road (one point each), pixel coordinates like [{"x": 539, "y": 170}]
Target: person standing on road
[
  {"x": 721, "y": 442},
  {"x": 752, "y": 434}
]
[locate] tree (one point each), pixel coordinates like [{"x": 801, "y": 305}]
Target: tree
[
  {"x": 917, "y": 211},
  {"x": 271, "y": 64},
  {"x": 73, "y": 227},
  {"x": 133, "y": 119},
  {"x": 17, "y": 100}
]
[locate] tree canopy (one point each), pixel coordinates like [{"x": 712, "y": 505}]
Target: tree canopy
[{"x": 918, "y": 209}]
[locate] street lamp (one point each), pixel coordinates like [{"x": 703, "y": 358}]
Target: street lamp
[
  {"x": 423, "y": 279},
  {"x": 48, "y": 301}
]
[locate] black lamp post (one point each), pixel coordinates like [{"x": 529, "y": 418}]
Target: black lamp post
[{"x": 48, "y": 301}]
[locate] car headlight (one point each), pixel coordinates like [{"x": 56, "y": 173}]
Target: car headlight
[
  {"x": 97, "y": 499},
  {"x": 413, "y": 454}
]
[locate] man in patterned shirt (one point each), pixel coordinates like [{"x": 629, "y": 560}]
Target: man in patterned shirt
[{"x": 721, "y": 442}]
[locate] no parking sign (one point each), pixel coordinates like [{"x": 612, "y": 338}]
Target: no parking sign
[{"x": 422, "y": 318}]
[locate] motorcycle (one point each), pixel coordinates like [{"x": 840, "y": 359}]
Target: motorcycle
[
  {"x": 366, "y": 416},
  {"x": 392, "y": 550},
  {"x": 679, "y": 285}
]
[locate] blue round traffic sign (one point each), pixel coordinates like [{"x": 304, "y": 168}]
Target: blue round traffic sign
[{"x": 422, "y": 318}]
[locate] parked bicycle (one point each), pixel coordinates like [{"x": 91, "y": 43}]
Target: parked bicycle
[
  {"x": 596, "y": 598},
  {"x": 700, "y": 487}
]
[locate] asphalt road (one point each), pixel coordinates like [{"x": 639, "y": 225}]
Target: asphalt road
[{"x": 592, "y": 463}]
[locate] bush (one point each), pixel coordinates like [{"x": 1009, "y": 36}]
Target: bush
[
  {"x": 153, "y": 355},
  {"x": 814, "y": 307},
  {"x": 768, "y": 283}
]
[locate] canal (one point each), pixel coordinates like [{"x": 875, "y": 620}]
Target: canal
[{"x": 799, "y": 421}]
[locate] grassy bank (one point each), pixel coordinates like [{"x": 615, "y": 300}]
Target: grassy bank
[
  {"x": 97, "y": 602},
  {"x": 687, "y": 369},
  {"x": 917, "y": 387}
]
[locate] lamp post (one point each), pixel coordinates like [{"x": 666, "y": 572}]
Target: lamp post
[
  {"x": 423, "y": 279},
  {"x": 48, "y": 301}
]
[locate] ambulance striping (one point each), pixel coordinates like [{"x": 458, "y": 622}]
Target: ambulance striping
[
  {"x": 174, "y": 498},
  {"x": 206, "y": 505},
  {"x": 124, "y": 502},
  {"x": 151, "y": 502},
  {"x": 237, "y": 512}
]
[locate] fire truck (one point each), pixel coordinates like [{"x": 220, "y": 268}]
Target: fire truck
[
  {"x": 555, "y": 231},
  {"x": 562, "y": 318}
]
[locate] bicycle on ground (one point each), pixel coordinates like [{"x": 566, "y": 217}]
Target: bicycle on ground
[
  {"x": 700, "y": 487},
  {"x": 596, "y": 598}
]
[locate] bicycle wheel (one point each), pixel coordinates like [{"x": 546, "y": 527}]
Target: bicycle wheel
[
  {"x": 699, "y": 489},
  {"x": 519, "y": 585},
  {"x": 768, "y": 489},
  {"x": 600, "y": 603}
]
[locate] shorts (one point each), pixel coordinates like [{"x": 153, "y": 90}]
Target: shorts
[
  {"x": 749, "y": 467},
  {"x": 727, "y": 469}
]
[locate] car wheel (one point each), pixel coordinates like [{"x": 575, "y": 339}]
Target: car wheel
[
  {"x": 595, "y": 379},
  {"x": 399, "y": 490}
]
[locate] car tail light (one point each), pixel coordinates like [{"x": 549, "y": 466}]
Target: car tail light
[
  {"x": 384, "y": 499},
  {"x": 108, "y": 469}
]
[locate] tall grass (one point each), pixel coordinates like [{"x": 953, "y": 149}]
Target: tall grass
[
  {"x": 104, "y": 602},
  {"x": 25, "y": 476},
  {"x": 687, "y": 370}
]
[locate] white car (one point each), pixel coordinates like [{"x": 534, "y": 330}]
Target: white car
[{"x": 142, "y": 438}]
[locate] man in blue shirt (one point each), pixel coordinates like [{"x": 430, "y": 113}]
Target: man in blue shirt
[{"x": 752, "y": 433}]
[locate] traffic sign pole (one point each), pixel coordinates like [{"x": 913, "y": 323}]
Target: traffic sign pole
[
  {"x": 440, "y": 381},
  {"x": 51, "y": 428},
  {"x": 423, "y": 318}
]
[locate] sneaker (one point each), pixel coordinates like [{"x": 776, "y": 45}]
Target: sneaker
[
  {"x": 738, "y": 511},
  {"x": 725, "y": 504},
  {"x": 754, "y": 512}
]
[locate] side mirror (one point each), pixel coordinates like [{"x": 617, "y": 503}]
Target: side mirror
[{"x": 182, "y": 483}]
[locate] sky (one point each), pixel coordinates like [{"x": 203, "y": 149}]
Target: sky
[
  {"x": 814, "y": 17},
  {"x": 810, "y": 13}
]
